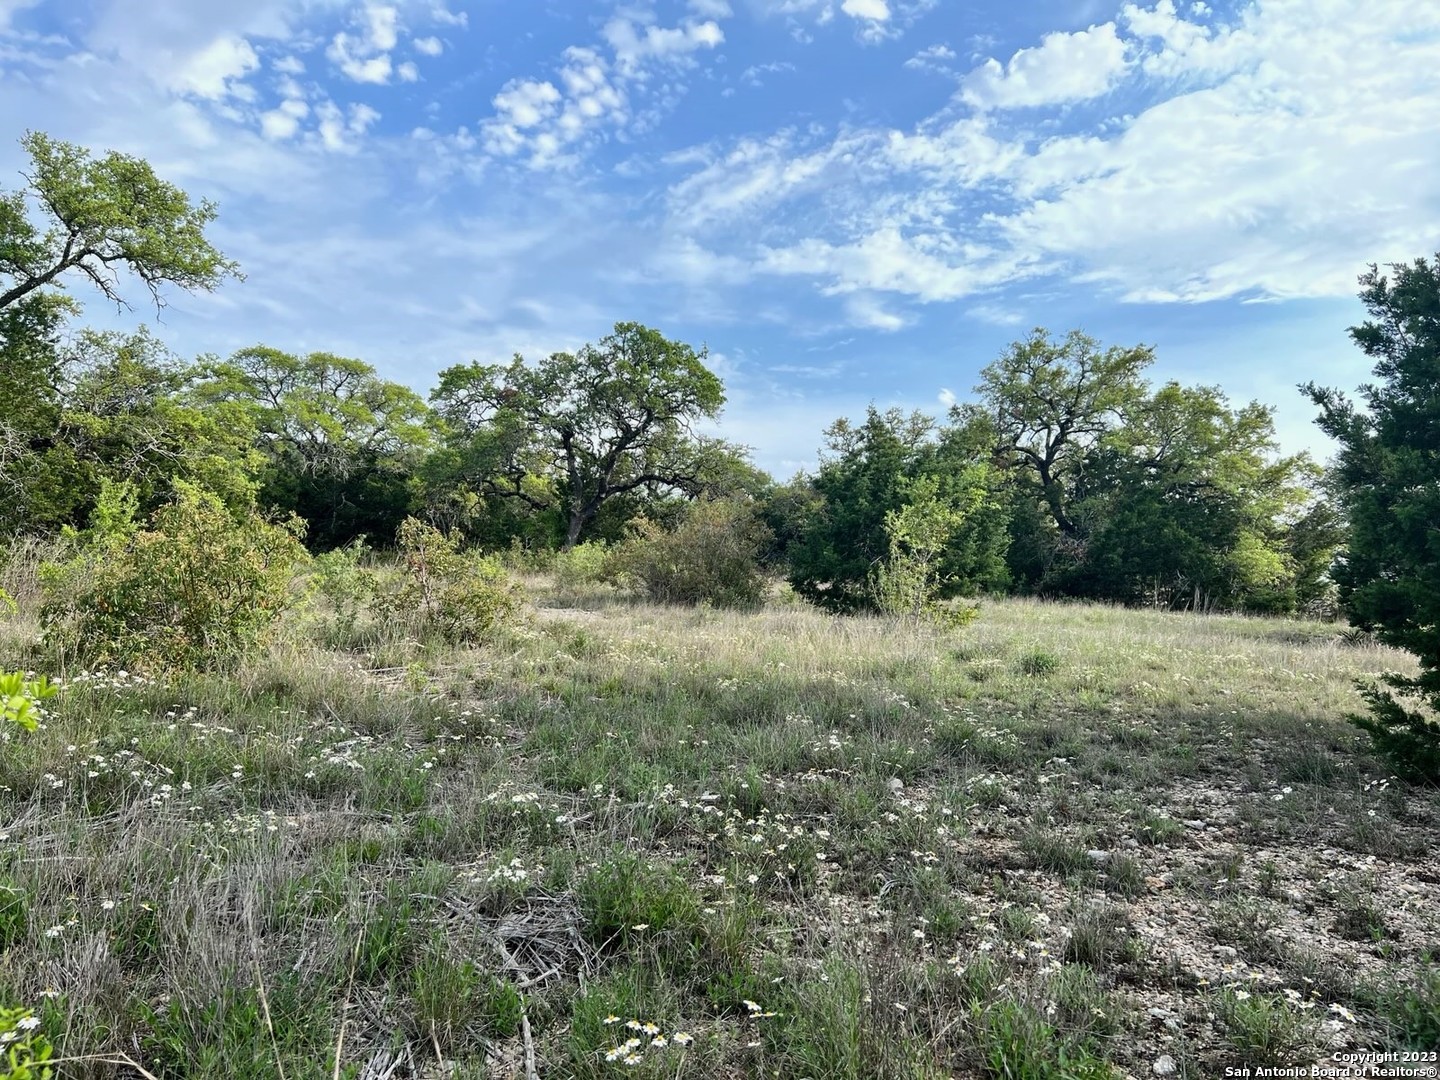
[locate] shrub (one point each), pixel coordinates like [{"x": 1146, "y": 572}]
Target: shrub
[
  {"x": 909, "y": 581},
  {"x": 26, "y": 1049},
  {"x": 584, "y": 564},
  {"x": 347, "y": 586},
  {"x": 455, "y": 596},
  {"x": 199, "y": 589},
  {"x": 1387, "y": 475},
  {"x": 712, "y": 557}
]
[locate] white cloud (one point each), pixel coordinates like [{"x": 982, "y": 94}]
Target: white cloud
[
  {"x": 921, "y": 265},
  {"x": 946, "y": 397},
  {"x": 1270, "y": 157},
  {"x": 340, "y": 132},
  {"x": 1062, "y": 68},
  {"x": 711, "y": 9},
  {"x": 634, "y": 43},
  {"x": 407, "y": 72},
  {"x": 526, "y": 103},
  {"x": 283, "y": 121},
  {"x": 933, "y": 58},
  {"x": 752, "y": 76},
  {"x": 10, "y": 8},
  {"x": 548, "y": 127},
  {"x": 289, "y": 65},
  {"x": 439, "y": 13},
  {"x": 1178, "y": 36},
  {"x": 877, "y": 10},
  {"x": 864, "y": 310},
  {"x": 428, "y": 46},
  {"x": 214, "y": 71},
  {"x": 381, "y": 22},
  {"x": 364, "y": 56},
  {"x": 754, "y": 175}
]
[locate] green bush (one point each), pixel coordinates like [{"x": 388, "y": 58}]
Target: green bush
[
  {"x": 200, "y": 588},
  {"x": 348, "y": 587},
  {"x": 584, "y": 564},
  {"x": 909, "y": 582},
  {"x": 458, "y": 597},
  {"x": 25, "y": 1048},
  {"x": 712, "y": 557}
]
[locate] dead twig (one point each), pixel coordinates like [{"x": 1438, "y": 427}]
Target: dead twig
[{"x": 531, "y": 1072}]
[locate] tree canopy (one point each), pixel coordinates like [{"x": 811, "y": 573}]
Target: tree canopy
[
  {"x": 340, "y": 444},
  {"x": 577, "y": 430},
  {"x": 1388, "y": 476},
  {"x": 100, "y": 216}
]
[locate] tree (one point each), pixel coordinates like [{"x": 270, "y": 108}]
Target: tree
[
  {"x": 866, "y": 475},
  {"x": 861, "y": 479},
  {"x": 1186, "y": 505},
  {"x": 340, "y": 443},
  {"x": 29, "y": 373},
  {"x": 112, "y": 406},
  {"x": 101, "y": 216},
  {"x": 910, "y": 580},
  {"x": 94, "y": 218},
  {"x": 1387, "y": 473},
  {"x": 1051, "y": 401},
  {"x": 576, "y": 431}
]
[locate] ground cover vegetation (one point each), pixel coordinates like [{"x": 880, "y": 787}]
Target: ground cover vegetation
[{"x": 528, "y": 728}]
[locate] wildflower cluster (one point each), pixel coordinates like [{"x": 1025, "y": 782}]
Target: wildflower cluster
[
  {"x": 103, "y": 679},
  {"x": 647, "y": 1036},
  {"x": 769, "y": 850},
  {"x": 512, "y": 873}
]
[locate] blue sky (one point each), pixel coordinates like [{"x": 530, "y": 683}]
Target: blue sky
[{"x": 847, "y": 200}]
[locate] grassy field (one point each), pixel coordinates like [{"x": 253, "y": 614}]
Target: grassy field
[{"x": 1063, "y": 842}]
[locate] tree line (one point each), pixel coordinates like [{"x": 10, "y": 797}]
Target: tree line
[{"x": 1068, "y": 475}]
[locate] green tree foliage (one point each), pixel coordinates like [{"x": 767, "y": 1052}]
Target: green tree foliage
[
  {"x": 570, "y": 434},
  {"x": 99, "y": 216},
  {"x": 75, "y": 414},
  {"x": 1167, "y": 497},
  {"x": 1387, "y": 474},
  {"x": 29, "y": 373},
  {"x": 1185, "y": 504},
  {"x": 20, "y": 698},
  {"x": 1051, "y": 401},
  {"x": 711, "y": 557},
  {"x": 113, "y": 406},
  {"x": 864, "y": 475},
  {"x": 200, "y": 588},
  {"x": 340, "y": 444},
  {"x": 910, "y": 581}
]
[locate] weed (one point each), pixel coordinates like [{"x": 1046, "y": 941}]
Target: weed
[
  {"x": 1038, "y": 662},
  {"x": 1267, "y": 1029},
  {"x": 1015, "y": 1043}
]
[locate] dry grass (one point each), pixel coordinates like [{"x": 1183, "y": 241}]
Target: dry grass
[{"x": 1063, "y": 839}]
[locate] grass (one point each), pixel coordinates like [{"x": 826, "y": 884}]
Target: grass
[{"x": 1059, "y": 843}]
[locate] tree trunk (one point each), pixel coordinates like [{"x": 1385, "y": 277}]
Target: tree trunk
[{"x": 572, "y": 532}]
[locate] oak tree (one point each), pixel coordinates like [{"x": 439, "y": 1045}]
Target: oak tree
[{"x": 578, "y": 430}]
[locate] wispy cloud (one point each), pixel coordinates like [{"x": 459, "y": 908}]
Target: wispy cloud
[
  {"x": 1242, "y": 162},
  {"x": 546, "y": 125}
]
